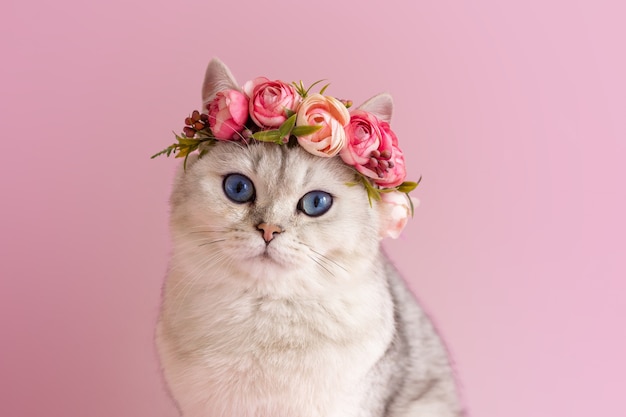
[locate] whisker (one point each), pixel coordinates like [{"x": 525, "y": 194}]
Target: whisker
[
  {"x": 188, "y": 248},
  {"x": 321, "y": 265},
  {"x": 197, "y": 273},
  {"x": 209, "y": 225},
  {"x": 324, "y": 257},
  {"x": 211, "y": 242}
]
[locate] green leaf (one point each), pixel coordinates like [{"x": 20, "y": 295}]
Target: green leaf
[
  {"x": 406, "y": 187},
  {"x": 305, "y": 130},
  {"x": 324, "y": 88},
  {"x": 185, "y": 162},
  {"x": 411, "y": 204},
  {"x": 311, "y": 86},
  {"x": 289, "y": 112},
  {"x": 268, "y": 136},
  {"x": 287, "y": 126},
  {"x": 187, "y": 141},
  {"x": 373, "y": 193},
  {"x": 184, "y": 151},
  {"x": 167, "y": 151},
  {"x": 300, "y": 89}
]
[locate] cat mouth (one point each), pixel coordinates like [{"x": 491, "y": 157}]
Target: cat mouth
[
  {"x": 269, "y": 255},
  {"x": 266, "y": 256}
]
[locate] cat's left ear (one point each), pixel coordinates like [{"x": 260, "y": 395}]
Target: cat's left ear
[
  {"x": 380, "y": 106},
  {"x": 217, "y": 78}
]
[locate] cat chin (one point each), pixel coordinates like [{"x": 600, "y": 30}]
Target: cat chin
[
  {"x": 266, "y": 261},
  {"x": 274, "y": 265},
  {"x": 267, "y": 264}
]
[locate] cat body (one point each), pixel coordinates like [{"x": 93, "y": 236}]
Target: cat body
[{"x": 304, "y": 318}]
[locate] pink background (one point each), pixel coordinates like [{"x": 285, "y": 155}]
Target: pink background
[{"x": 514, "y": 114}]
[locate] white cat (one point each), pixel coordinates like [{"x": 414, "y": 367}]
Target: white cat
[{"x": 276, "y": 307}]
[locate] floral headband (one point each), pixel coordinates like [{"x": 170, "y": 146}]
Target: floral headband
[{"x": 288, "y": 114}]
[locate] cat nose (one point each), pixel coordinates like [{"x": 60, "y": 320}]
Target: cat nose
[{"x": 268, "y": 230}]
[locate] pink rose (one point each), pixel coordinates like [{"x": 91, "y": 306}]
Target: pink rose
[
  {"x": 269, "y": 101},
  {"x": 372, "y": 148},
  {"x": 395, "y": 168},
  {"x": 395, "y": 210},
  {"x": 228, "y": 114},
  {"x": 332, "y": 115}
]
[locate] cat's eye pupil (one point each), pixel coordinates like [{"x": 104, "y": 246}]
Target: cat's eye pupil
[
  {"x": 315, "y": 203},
  {"x": 238, "y": 188}
]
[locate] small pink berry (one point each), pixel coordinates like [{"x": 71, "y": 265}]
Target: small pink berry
[{"x": 189, "y": 132}]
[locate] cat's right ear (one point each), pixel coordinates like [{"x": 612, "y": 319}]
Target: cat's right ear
[{"x": 217, "y": 78}]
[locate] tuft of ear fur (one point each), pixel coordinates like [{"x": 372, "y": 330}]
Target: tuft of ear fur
[
  {"x": 217, "y": 78},
  {"x": 380, "y": 106}
]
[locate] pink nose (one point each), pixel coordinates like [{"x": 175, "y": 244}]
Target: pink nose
[{"x": 269, "y": 230}]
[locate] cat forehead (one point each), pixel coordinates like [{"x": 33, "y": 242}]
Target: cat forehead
[{"x": 278, "y": 166}]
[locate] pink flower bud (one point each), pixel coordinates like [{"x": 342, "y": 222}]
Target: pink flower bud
[
  {"x": 332, "y": 115},
  {"x": 228, "y": 114},
  {"x": 395, "y": 210},
  {"x": 367, "y": 139},
  {"x": 270, "y": 100}
]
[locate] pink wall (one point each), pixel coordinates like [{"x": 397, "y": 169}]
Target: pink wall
[{"x": 514, "y": 115}]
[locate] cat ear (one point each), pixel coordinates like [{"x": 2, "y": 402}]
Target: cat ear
[
  {"x": 217, "y": 78},
  {"x": 380, "y": 106}
]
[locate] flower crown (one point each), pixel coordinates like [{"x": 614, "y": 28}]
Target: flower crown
[{"x": 288, "y": 114}]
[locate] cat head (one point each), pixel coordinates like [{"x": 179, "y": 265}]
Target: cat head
[
  {"x": 284, "y": 178},
  {"x": 262, "y": 209}
]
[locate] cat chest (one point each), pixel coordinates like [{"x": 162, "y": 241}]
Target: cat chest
[
  {"x": 271, "y": 383},
  {"x": 272, "y": 356}
]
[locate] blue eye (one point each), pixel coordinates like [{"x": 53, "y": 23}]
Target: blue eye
[
  {"x": 238, "y": 188},
  {"x": 315, "y": 203}
]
